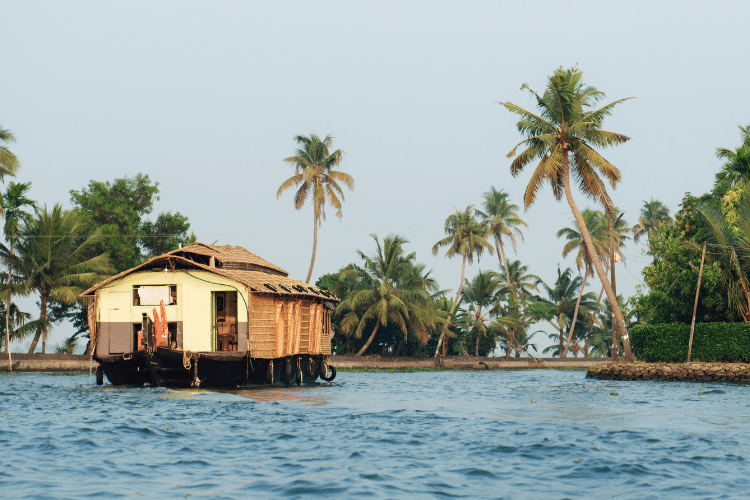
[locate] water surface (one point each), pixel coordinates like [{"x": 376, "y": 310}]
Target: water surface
[{"x": 501, "y": 434}]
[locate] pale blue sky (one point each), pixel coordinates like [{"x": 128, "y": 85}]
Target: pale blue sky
[{"x": 205, "y": 97}]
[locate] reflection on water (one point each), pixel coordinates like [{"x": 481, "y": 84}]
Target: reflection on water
[{"x": 525, "y": 434}]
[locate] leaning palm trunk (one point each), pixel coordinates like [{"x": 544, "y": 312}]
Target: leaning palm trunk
[
  {"x": 618, "y": 318},
  {"x": 315, "y": 247},
  {"x": 455, "y": 303},
  {"x": 575, "y": 317},
  {"x": 511, "y": 285},
  {"x": 42, "y": 330},
  {"x": 369, "y": 340}
]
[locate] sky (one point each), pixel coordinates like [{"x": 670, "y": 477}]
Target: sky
[{"x": 206, "y": 97}]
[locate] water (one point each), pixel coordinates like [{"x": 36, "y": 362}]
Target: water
[{"x": 523, "y": 434}]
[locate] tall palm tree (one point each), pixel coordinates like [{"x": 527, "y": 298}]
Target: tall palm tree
[
  {"x": 466, "y": 237},
  {"x": 653, "y": 214},
  {"x": 521, "y": 285},
  {"x": 8, "y": 161},
  {"x": 563, "y": 298},
  {"x": 389, "y": 290},
  {"x": 481, "y": 294},
  {"x": 502, "y": 219},
  {"x": 598, "y": 227},
  {"x": 736, "y": 169},
  {"x": 562, "y": 138},
  {"x": 58, "y": 260},
  {"x": 13, "y": 202},
  {"x": 316, "y": 175}
]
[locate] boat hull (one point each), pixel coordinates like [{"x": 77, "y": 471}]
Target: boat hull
[{"x": 165, "y": 367}]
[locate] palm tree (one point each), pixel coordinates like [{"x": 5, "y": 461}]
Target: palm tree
[
  {"x": 481, "y": 294},
  {"x": 390, "y": 290},
  {"x": 521, "y": 285},
  {"x": 736, "y": 169},
  {"x": 8, "y": 161},
  {"x": 502, "y": 220},
  {"x": 653, "y": 214},
  {"x": 732, "y": 252},
  {"x": 58, "y": 260},
  {"x": 598, "y": 228},
  {"x": 316, "y": 175},
  {"x": 13, "y": 203},
  {"x": 563, "y": 299},
  {"x": 562, "y": 138},
  {"x": 465, "y": 237}
]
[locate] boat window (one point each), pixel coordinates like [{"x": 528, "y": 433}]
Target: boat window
[{"x": 153, "y": 295}]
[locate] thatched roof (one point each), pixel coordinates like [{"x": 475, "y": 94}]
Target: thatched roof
[{"x": 233, "y": 262}]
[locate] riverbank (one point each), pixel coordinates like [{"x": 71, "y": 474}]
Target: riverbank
[
  {"x": 46, "y": 362},
  {"x": 378, "y": 363},
  {"x": 75, "y": 363},
  {"x": 684, "y": 372}
]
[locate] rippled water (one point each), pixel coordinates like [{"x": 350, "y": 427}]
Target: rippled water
[{"x": 502, "y": 434}]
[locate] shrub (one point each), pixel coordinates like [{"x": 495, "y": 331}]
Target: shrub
[{"x": 720, "y": 342}]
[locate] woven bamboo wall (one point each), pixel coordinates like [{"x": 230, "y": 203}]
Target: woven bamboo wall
[
  {"x": 262, "y": 327},
  {"x": 284, "y": 327}
]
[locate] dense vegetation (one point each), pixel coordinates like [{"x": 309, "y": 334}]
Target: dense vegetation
[{"x": 390, "y": 303}]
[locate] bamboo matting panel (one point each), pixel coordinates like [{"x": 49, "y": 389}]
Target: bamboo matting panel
[
  {"x": 262, "y": 328},
  {"x": 325, "y": 347}
]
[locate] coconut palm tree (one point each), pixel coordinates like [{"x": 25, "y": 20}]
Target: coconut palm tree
[
  {"x": 521, "y": 285},
  {"x": 8, "y": 161},
  {"x": 316, "y": 175},
  {"x": 502, "y": 220},
  {"x": 467, "y": 237},
  {"x": 736, "y": 169},
  {"x": 13, "y": 202},
  {"x": 562, "y": 139},
  {"x": 563, "y": 298},
  {"x": 732, "y": 252},
  {"x": 58, "y": 260},
  {"x": 390, "y": 290},
  {"x": 653, "y": 213},
  {"x": 481, "y": 294},
  {"x": 597, "y": 225}
]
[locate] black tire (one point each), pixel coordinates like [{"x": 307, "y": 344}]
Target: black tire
[
  {"x": 288, "y": 371},
  {"x": 299, "y": 375},
  {"x": 99, "y": 375},
  {"x": 333, "y": 375},
  {"x": 323, "y": 370},
  {"x": 310, "y": 367},
  {"x": 269, "y": 373}
]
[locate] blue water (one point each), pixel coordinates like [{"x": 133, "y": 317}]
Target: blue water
[{"x": 523, "y": 434}]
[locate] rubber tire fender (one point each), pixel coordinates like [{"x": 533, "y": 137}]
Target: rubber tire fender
[
  {"x": 310, "y": 367},
  {"x": 288, "y": 371},
  {"x": 333, "y": 375},
  {"x": 299, "y": 375}
]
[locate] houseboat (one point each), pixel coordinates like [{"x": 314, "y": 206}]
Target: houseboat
[{"x": 207, "y": 315}]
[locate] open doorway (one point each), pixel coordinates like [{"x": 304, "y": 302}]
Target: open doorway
[{"x": 225, "y": 305}]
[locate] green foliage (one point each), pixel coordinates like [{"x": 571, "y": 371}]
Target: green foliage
[
  {"x": 712, "y": 342},
  {"x": 117, "y": 210},
  {"x": 169, "y": 232}
]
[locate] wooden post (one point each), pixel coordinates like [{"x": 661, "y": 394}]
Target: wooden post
[{"x": 695, "y": 306}]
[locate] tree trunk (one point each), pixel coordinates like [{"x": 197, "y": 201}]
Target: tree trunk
[
  {"x": 455, "y": 303},
  {"x": 7, "y": 312},
  {"x": 615, "y": 326},
  {"x": 369, "y": 340},
  {"x": 43, "y": 317},
  {"x": 595, "y": 258},
  {"x": 511, "y": 285},
  {"x": 575, "y": 317},
  {"x": 315, "y": 246},
  {"x": 38, "y": 334}
]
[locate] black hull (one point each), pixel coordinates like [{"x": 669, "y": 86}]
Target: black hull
[{"x": 175, "y": 368}]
